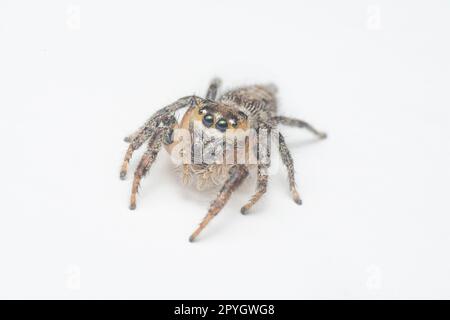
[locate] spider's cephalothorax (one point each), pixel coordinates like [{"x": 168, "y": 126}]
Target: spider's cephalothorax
[{"x": 217, "y": 141}]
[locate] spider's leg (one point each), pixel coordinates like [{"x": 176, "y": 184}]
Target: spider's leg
[
  {"x": 163, "y": 116},
  {"x": 237, "y": 174},
  {"x": 289, "y": 163},
  {"x": 292, "y": 122},
  {"x": 261, "y": 188},
  {"x": 135, "y": 144},
  {"x": 214, "y": 85},
  {"x": 154, "y": 145}
]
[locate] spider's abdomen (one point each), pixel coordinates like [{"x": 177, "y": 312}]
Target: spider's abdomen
[{"x": 258, "y": 100}]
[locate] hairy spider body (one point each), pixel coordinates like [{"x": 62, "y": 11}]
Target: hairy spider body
[{"x": 217, "y": 141}]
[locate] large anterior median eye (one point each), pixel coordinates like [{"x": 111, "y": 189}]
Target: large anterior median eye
[
  {"x": 208, "y": 120},
  {"x": 222, "y": 125}
]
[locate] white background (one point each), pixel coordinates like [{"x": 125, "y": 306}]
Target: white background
[{"x": 77, "y": 76}]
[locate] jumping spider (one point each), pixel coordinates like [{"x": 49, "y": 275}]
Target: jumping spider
[{"x": 208, "y": 123}]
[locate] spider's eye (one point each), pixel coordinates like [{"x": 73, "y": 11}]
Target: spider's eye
[
  {"x": 222, "y": 125},
  {"x": 208, "y": 120},
  {"x": 202, "y": 111},
  {"x": 233, "y": 122}
]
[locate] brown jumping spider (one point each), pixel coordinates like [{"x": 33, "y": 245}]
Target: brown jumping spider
[{"x": 218, "y": 142}]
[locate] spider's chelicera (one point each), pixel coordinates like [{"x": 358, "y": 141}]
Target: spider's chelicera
[{"x": 217, "y": 142}]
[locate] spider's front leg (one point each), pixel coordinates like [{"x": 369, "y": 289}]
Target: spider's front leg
[
  {"x": 138, "y": 138},
  {"x": 154, "y": 145},
  {"x": 162, "y": 134},
  {"x": 236, "y": 176}
]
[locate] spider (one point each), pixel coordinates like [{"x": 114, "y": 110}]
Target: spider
[{"x": 207, "y": 125}]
